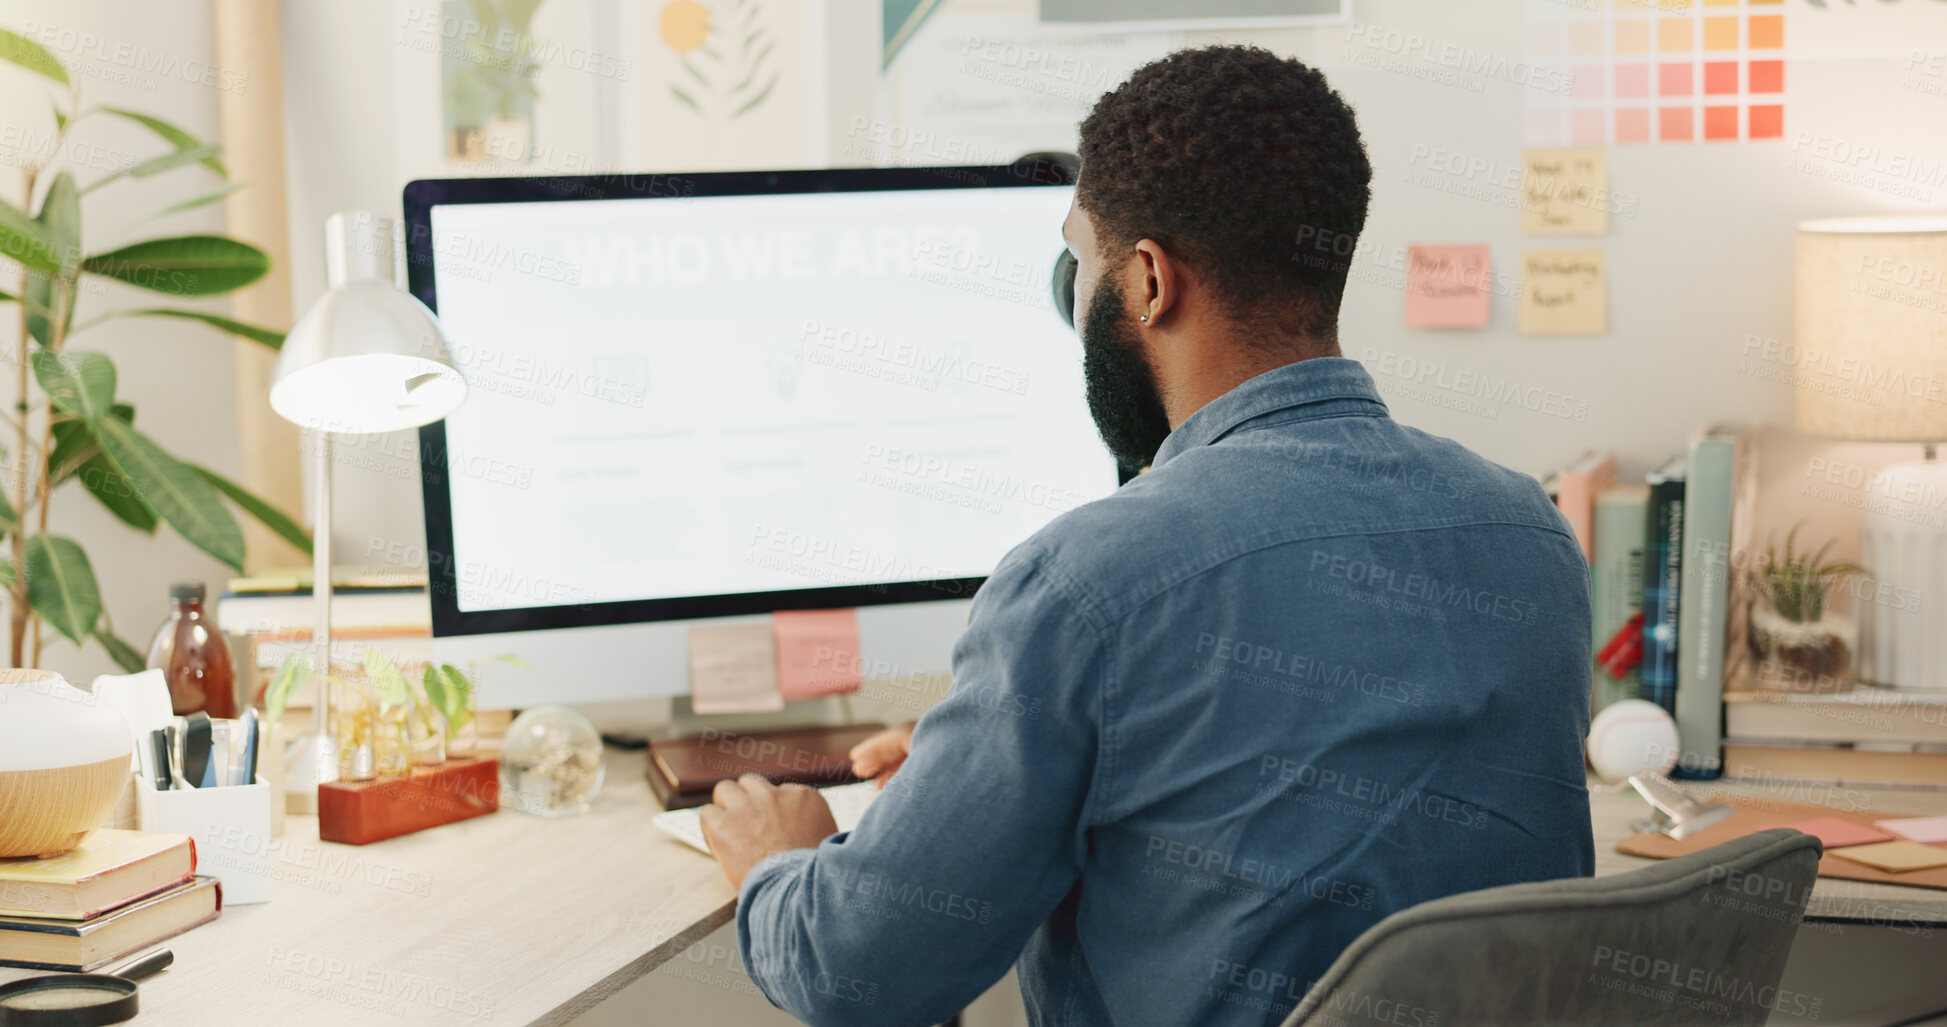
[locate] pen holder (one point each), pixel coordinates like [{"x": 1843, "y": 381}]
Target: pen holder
[{"x": 231, "y": 828}]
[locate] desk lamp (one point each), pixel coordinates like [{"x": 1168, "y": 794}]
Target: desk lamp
[
  {"x": 1872, "y": 346},
  {"x": 366, "y": 358}
]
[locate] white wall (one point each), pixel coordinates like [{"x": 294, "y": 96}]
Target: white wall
[{"x": 146, "y": 57}]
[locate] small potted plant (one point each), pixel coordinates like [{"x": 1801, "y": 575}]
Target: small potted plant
[{"x": 1800, "y": 646}]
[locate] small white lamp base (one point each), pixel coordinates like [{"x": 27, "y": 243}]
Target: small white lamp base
[{"x": 1902, "y": 598}]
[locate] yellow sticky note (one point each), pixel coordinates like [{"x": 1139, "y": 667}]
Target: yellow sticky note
[
  {"x": 1895, "y": 857},
  {"x": 1563, "y": 292},
  {"x": 1564, "y": 192}
]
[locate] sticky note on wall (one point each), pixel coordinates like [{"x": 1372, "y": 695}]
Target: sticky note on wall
[
  {"x": 817, "y": 652},
  {"x": 733, "y": 669},
  {"x": 1563, "y": 292},
  {"x": 1564, "y": 192},
  {"x": 1448, "y": 286}
]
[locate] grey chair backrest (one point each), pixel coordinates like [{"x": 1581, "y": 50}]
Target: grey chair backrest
[{"x": 1700, "y": 939}]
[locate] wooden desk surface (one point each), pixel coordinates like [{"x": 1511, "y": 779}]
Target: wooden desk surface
[
  {"x": 1833, "y": 899},
  {"x": 506, "y": 918},
  {"x": 510, "y": 918}
]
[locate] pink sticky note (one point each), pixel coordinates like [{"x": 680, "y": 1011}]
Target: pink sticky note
[
  {"x": 733, "y": 669},
  {"x": 1448, "y": 286},
  {"x": 1929, "y": 830},
  {"x": 817, "y": 652},
  {"x": 1836, "y": 833}
]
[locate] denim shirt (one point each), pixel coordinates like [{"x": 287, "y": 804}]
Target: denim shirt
[{"x": 1314, "y": 667}]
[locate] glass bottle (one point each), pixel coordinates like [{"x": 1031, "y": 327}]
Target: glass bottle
[{"x": 193, "y": 654}]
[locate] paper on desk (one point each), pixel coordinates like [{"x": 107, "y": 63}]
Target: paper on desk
[
  {"x": 817, "y": 652},
  {"x": 733, "y": 669},
  {"x": 1448, "y": 286},
  {"x": 1895, "y": 857},
  {"x": 1930, "y": 830}
]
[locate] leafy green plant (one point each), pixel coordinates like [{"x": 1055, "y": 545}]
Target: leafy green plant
[
  {"x": 75, "y": 429},
  {"x": 450, "y": 690},
  {"x": 1794, "y": 583}
]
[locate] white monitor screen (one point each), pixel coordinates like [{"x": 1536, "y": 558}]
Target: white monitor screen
[{"x": 758, "y": 393}]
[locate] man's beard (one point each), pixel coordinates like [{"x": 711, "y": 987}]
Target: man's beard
[{"x": 1122, "y": 393}]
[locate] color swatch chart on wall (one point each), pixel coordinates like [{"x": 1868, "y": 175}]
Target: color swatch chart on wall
[{"x": 1654, "y": 71}]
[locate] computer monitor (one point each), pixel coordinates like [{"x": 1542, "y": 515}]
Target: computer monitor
[{"x": 708, "y": 397}]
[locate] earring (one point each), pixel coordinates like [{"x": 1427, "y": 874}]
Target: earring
[{"x": 1143, "y": 318}]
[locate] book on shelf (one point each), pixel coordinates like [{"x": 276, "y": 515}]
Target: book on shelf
[
  {"x": 1865, "y": 764},
  {"x": 44, "y": 943},
  {"x": 1616, "y": 579},
  {"x": 1662, "y": 581},
  {"x": 109, "y": 868},
  {"x": 1575, "y": 488},
  {"x": 344, "y": 578},
  {"x": 1720, "y": 496},
  {"x": 1868, "y": 715}
]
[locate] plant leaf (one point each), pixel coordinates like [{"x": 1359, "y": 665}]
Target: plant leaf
[
  {"x": 9, "y": 521},
  {"x": 291, "y": 676},
  {"x": 685, "y": 98},
  {"x": 157, "y": 165},
  {"x": 82, "y": 384},
  {"x": 73, "y": 447},
  {"x": 116, "y": 492},
  {"x": 459, "y": 692},
  {"x": 32, "y": 56},
  {"x": 60, "y": 221},
  {"x": 185, "y": 265},
  {"x": 387, "y": 680},
  {"x": 184, "y": 499},
  {"x": 60, "y": 218},
  {"x": 274, "y": 340},
  {"x": 25, "y": 240},
  {"x": 198, "y": 201},
  {"x": 125, "y": 655},
  {"x": 170, "y": 134},
  {"x": 434, "y": 684},
  {"x": 256, "y": 506},
  {"x": 61, "y": 586}
]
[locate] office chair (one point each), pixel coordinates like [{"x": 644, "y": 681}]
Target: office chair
[{"x": 1700, "y": 939}]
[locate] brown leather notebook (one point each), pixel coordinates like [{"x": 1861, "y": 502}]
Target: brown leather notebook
[{"x": 682, "y": 771}]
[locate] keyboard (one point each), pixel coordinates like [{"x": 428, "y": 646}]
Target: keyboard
[{"x": 848, "y": 803}]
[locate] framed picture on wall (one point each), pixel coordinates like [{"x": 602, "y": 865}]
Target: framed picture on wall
[{"x": 1185, "y": 15}]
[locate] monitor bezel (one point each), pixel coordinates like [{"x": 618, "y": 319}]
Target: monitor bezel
[{"x": 421, "y": 196}]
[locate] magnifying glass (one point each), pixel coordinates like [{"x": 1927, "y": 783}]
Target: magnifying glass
[{"x": 78, "y": 1000}]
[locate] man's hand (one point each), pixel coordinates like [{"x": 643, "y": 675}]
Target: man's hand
[
  {"x": 751, "y": 818},
  {"x": 880, "y": 756}
]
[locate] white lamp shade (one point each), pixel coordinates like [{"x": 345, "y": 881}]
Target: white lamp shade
[
  {"x": 1870, "y": 356},
  {"x": 365, "y": 358}
]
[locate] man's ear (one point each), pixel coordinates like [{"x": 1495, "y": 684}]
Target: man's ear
[{"x": 1159, "y": 286}]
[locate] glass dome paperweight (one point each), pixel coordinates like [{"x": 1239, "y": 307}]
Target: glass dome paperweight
[{"x": 551, "y": 762}]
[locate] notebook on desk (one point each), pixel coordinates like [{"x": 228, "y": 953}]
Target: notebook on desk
[
  {"x": 683, "y": 771},
  {"x": 848, "y": 803}
]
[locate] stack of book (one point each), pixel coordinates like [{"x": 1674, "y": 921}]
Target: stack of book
[
  {"x": 1868, "y": 736},
  {"x": 117, "y": 893}
]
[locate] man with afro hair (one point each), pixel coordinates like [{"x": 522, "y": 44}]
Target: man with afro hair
[{"x": 1312, "y": 667}]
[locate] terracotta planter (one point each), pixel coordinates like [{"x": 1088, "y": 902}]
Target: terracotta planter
[{"x": 64, "y": 758}]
